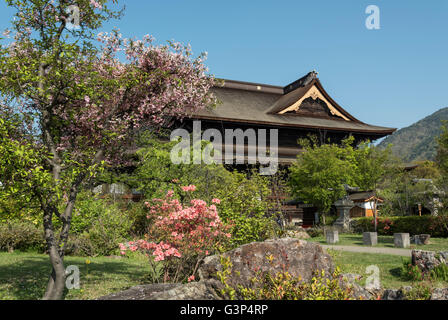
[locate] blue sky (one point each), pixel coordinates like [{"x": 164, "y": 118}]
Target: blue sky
[{"x": 390, "y": 77}]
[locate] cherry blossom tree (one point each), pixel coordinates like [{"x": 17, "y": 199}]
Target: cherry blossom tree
[{"x": 84, "y": 97}]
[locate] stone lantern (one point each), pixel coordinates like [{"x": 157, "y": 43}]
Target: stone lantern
[{"x": 343, "y": 207}]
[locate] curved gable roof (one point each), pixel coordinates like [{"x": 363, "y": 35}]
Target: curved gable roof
[{"x": 256, "y": 103}]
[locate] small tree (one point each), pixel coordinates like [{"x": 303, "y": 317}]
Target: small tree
[
  {"x": 320, "y": 172},
  {"x": 319, "y": 175},
  {"x": 371, "y": 168},
  {"x": 84, "y": 102}
]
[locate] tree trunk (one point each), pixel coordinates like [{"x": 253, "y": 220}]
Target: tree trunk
[
  {"x": 56, "y": 250},
  {"x": 56, "y": 283},
  {"x": 375, "y": 214}
]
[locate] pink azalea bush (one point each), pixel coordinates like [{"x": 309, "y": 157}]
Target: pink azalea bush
[{"x": 181, "y": 235}]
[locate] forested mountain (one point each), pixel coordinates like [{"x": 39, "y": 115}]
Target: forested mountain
[{"x": 418, "y": 141}]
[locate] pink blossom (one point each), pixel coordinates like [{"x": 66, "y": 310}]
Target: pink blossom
[
  {"x": 183, "y": 231},
  {"x": 189, "y": 188},
  {"x": 96, "y": 4}
]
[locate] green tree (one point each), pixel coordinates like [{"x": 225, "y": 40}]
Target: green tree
[
  {"x": 372, "y": 164},
  {"x": 320, "y": 172}
]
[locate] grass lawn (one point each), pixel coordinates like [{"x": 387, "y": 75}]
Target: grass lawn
[
  {"x": 25, "y": 275},
  {"x": 436, "y": 244},
  {"x": 389, "y": 266}
]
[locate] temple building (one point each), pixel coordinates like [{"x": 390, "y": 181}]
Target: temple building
[{"x": 297, "y": 110}]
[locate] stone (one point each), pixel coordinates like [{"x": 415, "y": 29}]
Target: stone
[
  {"x": 424, "y": 238},
  {"x": 343, "y": 207},
  {"x": 439, "y": 294},
  {"x": 142, "y": 292},
  {"x": 332, "y": 236},
  {"x": 351, "y": 280},
  {"x": 400, "y": 294},
  {"x": 202, "y": 290},
  {"x": 428, "y": 260},
  {"x": 402, "y": 240},
  {"x": 300, "y": 258},
  {"x": 444, "y": 255},
  {"x": 396, "y": 294},
  {"x": 393, "y": 294},
  {"x": 370, "y": 238},
  {"x": 298, "y": 234}
]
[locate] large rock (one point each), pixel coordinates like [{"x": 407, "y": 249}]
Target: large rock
[
  {"x": 401, "y": 294},
  {"x": 203, "y": 290},
  {"x": 440, "y": 294},
  {"x": 395, "y": 294},
  {"x": 143, "y": 292},
  {"x": 420, "y": 239},
  {"x": 298, "y": 257},
  {"x": 428, "y": 260},
  {"x": 298, "y": 234}
]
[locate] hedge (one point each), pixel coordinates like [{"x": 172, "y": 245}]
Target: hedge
[
  {"x": 21, "y": 236},
  {"x": 436, "y": 226}
]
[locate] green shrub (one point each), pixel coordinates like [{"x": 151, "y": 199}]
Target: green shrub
[
  {"x": 98, "y": 225},
  {"x": 88, "y": 208},
  {"x": 329, "y": 219},
  {"x": 433, "y": 225},
  {"x": 22, "y": 236},
  {"x": 316, "y": 231},
  {"x": 137, "y": 213},
  {"x": 440, "y": 272},
  {"x": 411, "y": 273},
  {"x": 105, "y": 233},
  {"x": 420, "y": 291},
  {"x": 244, "y": 206}
]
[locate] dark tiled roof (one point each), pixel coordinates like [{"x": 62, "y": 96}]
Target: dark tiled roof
[{"x": 255, "y": 103}]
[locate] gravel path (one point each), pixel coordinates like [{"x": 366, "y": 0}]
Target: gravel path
[{"x": 399, "y": 252}]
